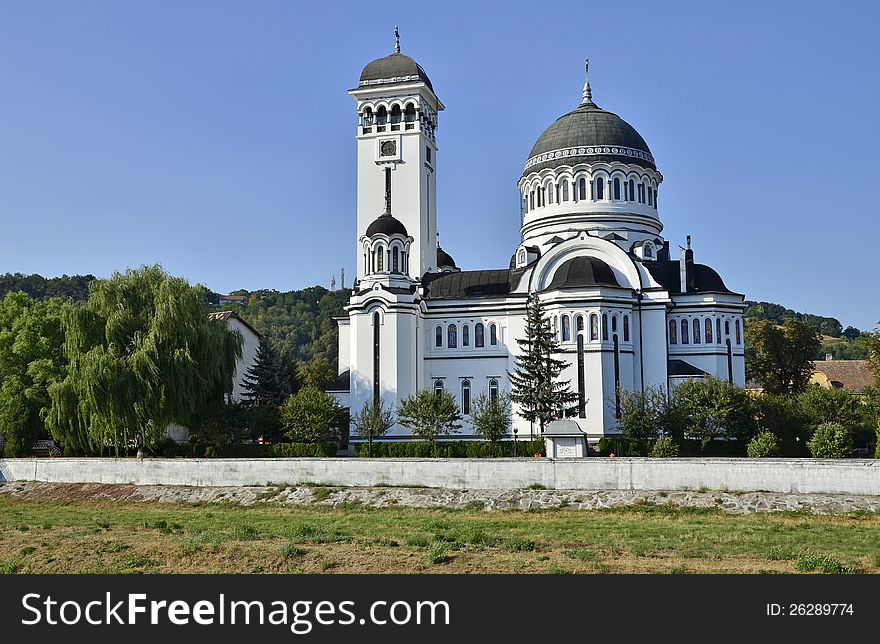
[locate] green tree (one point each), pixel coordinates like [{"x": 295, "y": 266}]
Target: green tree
[
  {"x": 318, "y": 373},
  {"x": 430, "y": 415},
  {"x": 646, "y": 415},
  {"x": 491, "y": 416},
  {"x": 31, "y": 359},
  {"x": 266, "y": 382},
  {"x": 820, "y": 405},
  {"x": 714, "y": 408},
  {"x": 780, "y": 358},
  {"x": 372, "y": 421},
  {"x": 142, "y": 354},
  {"x": 780, "y": 415},
  {"x": 311, "y": 416},
  {"x": 872, "y": 339},
  {"x": 535, "y": 384}
]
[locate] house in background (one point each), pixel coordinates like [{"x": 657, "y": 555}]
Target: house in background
[
  {"x": 854, "y": 376},
  {"x": 240, "y": 300}
]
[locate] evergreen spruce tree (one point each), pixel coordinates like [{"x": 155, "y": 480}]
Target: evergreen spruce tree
[
  {"x": 266, "y": 381},
  {"x": 535, "y": 383}
]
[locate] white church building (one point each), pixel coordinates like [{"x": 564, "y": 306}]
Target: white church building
[{"x": 627, "y": 311}]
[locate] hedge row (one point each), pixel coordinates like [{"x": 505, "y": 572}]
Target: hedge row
[
  {"x": 691, "y": 447},
  {"x": 277, "y": 450},
  {"x": 452, "y": 449}
]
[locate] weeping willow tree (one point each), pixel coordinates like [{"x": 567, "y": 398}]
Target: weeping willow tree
[{"x": 142, "y": 355}]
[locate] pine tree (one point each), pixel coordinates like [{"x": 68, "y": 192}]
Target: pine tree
[
  {"x": 265, "y": 382},
  {"x": 535, "y": 383}
]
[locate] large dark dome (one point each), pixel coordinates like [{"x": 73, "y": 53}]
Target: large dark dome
[
  {"x": 588, "y": 134},
  {"x": 386, "y": 225},
  {"x": 396, "y": 68},
  {"x": 581, "y": 271}
]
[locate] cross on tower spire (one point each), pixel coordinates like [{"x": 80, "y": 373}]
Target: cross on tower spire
[{"x": 588, "y": 92}]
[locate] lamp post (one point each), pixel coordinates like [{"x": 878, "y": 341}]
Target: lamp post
[{"x": 515, "y": 432}]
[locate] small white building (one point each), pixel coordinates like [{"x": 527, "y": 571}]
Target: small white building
[{"x": 627, "y": 310}]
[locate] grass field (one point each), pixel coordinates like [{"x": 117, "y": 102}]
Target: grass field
[{"x": 120, "y": 537}]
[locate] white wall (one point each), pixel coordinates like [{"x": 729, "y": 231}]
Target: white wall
[{"x": 847, "y": 476}]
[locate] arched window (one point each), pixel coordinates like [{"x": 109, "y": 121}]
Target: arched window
[
  {"x": 409, "y": 117},
  {"x": 684, "y": 332},
  {"x": 521, "y": 257},
  {"x": 626, "y": 328},
  {"x": 549, "y": 193},
  {"x": 718, "y": 330},
  {"x": 696, "y": 332},
  {"x": 613, "y": 324},
  {"x": 465, "y": 336},
  {"x": 582, "y": 189},
  {"x": 493, "y": 390},
  {"x": 438, "y": 387},
  {"x": 380, "y": 259},
  {"x": 368, "y": 120},
  {"x": 579, "y": 323},
  {"x": 566, "y": 328},
  {"x": 600, "y": 189},
  {"x": 594, "y": 326},
  {"x": 708, "y": 331},
  {"x": 532, "y": 200},
  {"x": 381, "y": 118},
  {"x": 438, "y": 336},
  {"x": 656, "y": 203},
  {"x": 540, "y": 192},
  {"x": 451, "y": 336},
  {"x": 466, "y": 397},
  {"x": 649, "y": 251},
  {"x": 616, "y": 189},
  {"x": 479, "y": 339},
  {"x": 565, "y": 189},
  {"x": 738, "y": 333},
  {"x": 726, "y": 327},
  {"x": 525, "y": 204},
  {"x": 632, "y": 190},
  {"x": 650, "y": 200},
  {"x": 395, "y": 118},
  {"x": 395, "y": 261},
  {"x": 493, "y": 334},
  {"x": 673, "y": 332},
  {"x": 604, "y": 326}
]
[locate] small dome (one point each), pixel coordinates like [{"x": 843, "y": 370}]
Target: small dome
[
  {"x": 583, "y": 271},
  {"x": 396, "y": 68},
  {"x": 444, "y": 259},
  {"x": 589, "y": 134},
  {"x": 386, "y": 225}
]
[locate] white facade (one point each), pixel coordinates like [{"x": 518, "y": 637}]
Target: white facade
[{"x": 621, "y": 306}]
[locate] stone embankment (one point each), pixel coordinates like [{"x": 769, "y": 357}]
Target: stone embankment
[{"x": 414, "y": 497}]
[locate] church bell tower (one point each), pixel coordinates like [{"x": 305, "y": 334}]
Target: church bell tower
[{"x": 397, "y": 121}]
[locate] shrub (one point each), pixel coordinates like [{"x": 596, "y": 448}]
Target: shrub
[
  {"x": 430, "y": 414},
  {"x": 781, "y": 416},
  {"x": 715, "y": 409},
  {"x": 646, "y": 414},
  {"x": 764, "y": 445},
  {"x": 311, "y": 416},
  {"x": 451, "y": 449},
  {"x": 491, "y": 416},
  {"x": 664, "y": 448},
  {"x": 278, "y": 450},
  {"x": 831, "y": 440},
  {"x": 820, "y": 405}
]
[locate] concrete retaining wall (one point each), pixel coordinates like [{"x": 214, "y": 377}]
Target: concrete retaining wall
[{"x": 773, "y": 475}]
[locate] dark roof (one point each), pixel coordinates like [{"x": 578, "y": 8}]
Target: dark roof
[
  {"x": 388, "y": 225},
  {"x": 466, "y": 284},
  {"x": 396, "y": 68},
  {"x": 676, "y": 367},
  {"x": 573, "y": 138},
  {"x": 444, "y": 259},
  {"x": 583, "y": 271},
  {"x": 342, "y": 382},
  {"x": 668, "y": 274}
]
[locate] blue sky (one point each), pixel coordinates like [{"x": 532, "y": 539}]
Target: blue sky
[{"x": 218, "y": 139}]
